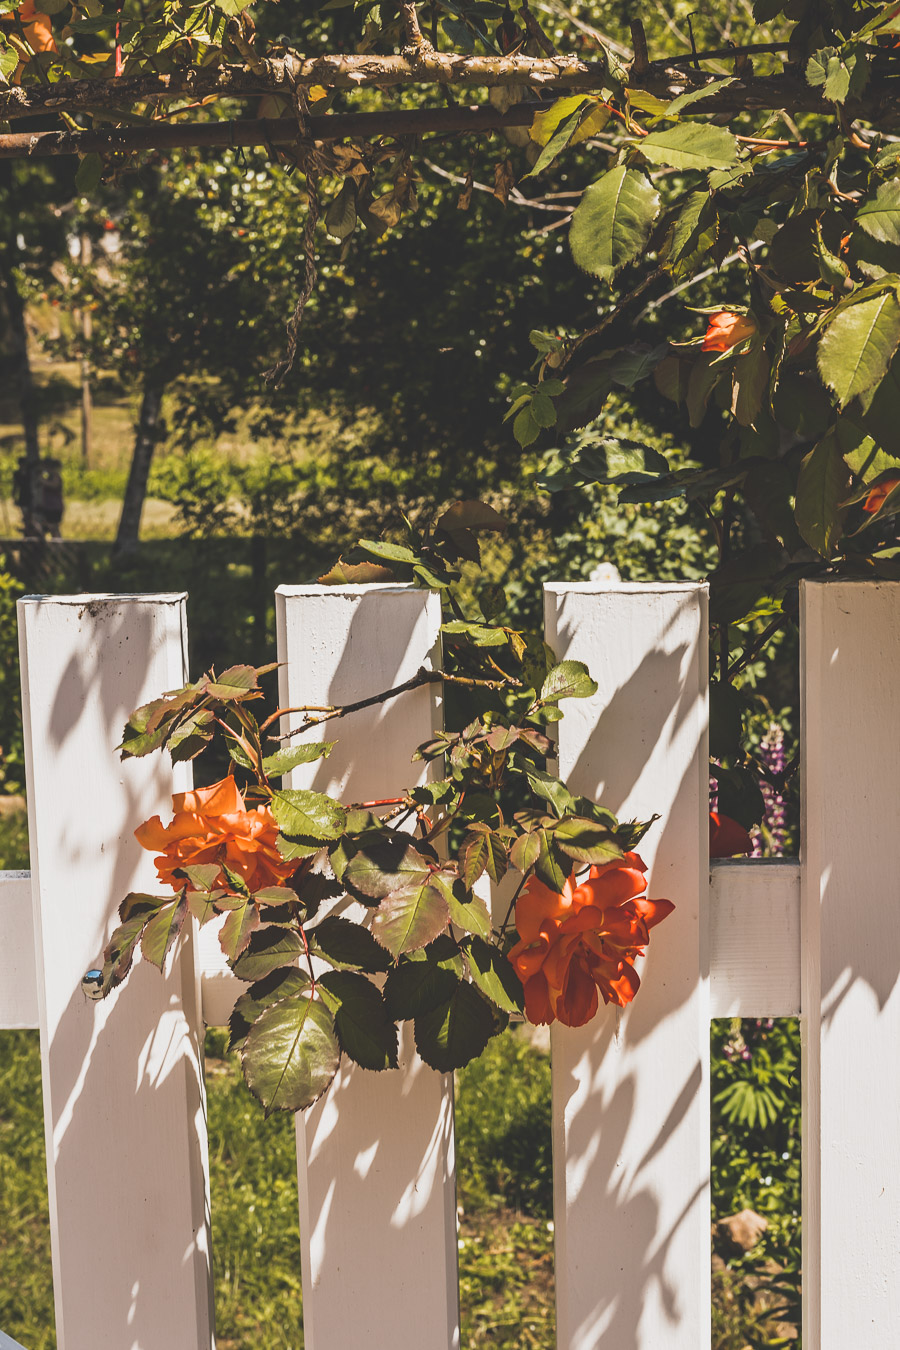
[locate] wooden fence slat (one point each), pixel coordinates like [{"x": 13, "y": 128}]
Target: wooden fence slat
[
  {"x": 123, "y": 1085},
  {"x": 631, "y": 1104},
  {"x": 375, "y": 1156},
  {"x": 754, "y": 938},
  {"x": 850, "y": 658},
  {"x": 18, "y": 976}
]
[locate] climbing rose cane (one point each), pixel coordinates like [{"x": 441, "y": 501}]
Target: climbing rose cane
[
  {"x": 212, "y": 825},
  {"x": 584, "y": 940}
]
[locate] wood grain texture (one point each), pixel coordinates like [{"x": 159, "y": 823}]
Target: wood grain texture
[
  {"x": 124, "y": 1104},
  {"x": 18, "y": 976},
  {"x": 376, "y": 1154},
  {"x": 631, "y": 1098},
  {"x": 850, "y": 889},
  {"x": 754, "y": 938}
]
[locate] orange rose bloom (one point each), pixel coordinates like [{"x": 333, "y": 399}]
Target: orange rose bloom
[
  {"x": 584, "y": 941},
  {"x": 212, "y": 825},
  {"x": 726, "y": 330},
  {"x": 879, "y": 495},
  {"x": 727, "y": 837}
]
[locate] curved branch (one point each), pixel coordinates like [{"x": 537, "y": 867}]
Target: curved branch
[{"x": 424, "y": 67}]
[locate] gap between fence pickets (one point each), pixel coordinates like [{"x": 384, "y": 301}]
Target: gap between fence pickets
[{"x": 754, "y": 947}]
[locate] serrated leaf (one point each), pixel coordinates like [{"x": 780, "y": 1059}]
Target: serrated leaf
[
  {"x": 546, "y": 123},
  {"x": 690, "y": 96},
  {"x": 267, "y": 949},
  {"x": 858, "y": 344},
  {"x": 234, "y": 684},
  {"x": 364, "y": 1028},
  {"x": 551, "y": 790},
  {"x": 311, "y": 815},
  {"x": 557, "y": 142},
  {"x": 163, "y": 930},
  {"x": 423, "y": 980},
  {"x": 282, "y": 761},
  {"x": 383, "y": 866},
  {"x": 455, "y": 1032},
  {"x": 525, "y": 852},
  {"x": 291, "y": 1054},
  {"x": 612, "y": 222},
  {"x": 586, "y": 841},
  {"x": 282, "y": 983},
  {"x": 410, "y": 917},
  {"x": 355, "y": 574},
  {"x": 548, "y": 868},
  {"x": 235, "y": 932},
  {"x": 568, "y": 679},
  {"x": 470, "y": 515},
  {"x": 467, "y": 911},
  {"x": 880, "y": 216},
  {"x": 692, "y": 145},
  {"x": 495, "y": 976},
  {"x": 379, "y": 548},
  {"x": 345, "y": 943},
  {"x": 822, "y": 488}
]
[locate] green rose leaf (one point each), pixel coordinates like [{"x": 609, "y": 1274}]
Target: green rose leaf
[
  {"x": 383, "y": 866},
  {"x": 364, "y": 1028},
  {"x": 291, "y": 1054},
  {"x": 344, "y": 943},
  {"x": 693, "y": 145},
  {"x": 455, "y": 1032},
  {"x": 525, "y": 852},
  {"x": 586, "y": 841},
  {"x": 612, "y": 222},
  {"x": 311, "y": 815},
  {"x": 267, "y": 950},
  {"x": 234, "y": 684},
  {"x": 235, "y": 932},
  {"x": 423, "y": 979},
  {"x": 411, "y": 916},
  {"x": 880, "y": 216},
  {"x": 163, "y": 930},
  {"x": 569, "y": 679},
  {"x": 495, "y": 976},
  {"x": 467, "y": 911},
  {"x": 822, "y": 488},
  {"x": 284, "y": 760},
  {"x": 282, "y": 983},
  {"x": 858, "y": 344}
]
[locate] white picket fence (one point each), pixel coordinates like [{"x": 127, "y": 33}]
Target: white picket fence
[{"x": 123, "y": 1080}]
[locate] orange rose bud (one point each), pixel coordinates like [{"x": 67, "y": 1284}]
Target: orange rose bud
[
  {"x": 212, "y": 825},
  {"x": 727, "y": 837},
  {"x": 726, "y": 330},
  {"x": 879, "y": 494},
  {"x": 582, "y": 943}
]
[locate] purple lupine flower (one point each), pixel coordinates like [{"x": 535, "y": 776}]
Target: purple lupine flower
[{"x": 772, "y": 754}]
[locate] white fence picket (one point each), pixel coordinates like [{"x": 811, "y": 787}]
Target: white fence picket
[
  {"x": 850, "y": 658},
  {"x": 123, "y": 1086},
  {"x": 754, "y": 937},
  {"x": 376, "y": 1155},
  {"x": 630, "y": 1100}
]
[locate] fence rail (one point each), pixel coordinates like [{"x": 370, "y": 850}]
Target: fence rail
[{"x": 123, "y": 1080}]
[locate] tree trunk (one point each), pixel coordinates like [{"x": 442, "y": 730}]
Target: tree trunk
[
  {"x": 136, "y": 490},
  {"x": 21, "y": 366}
]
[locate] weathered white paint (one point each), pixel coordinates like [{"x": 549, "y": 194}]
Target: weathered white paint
[
  {"x": 630, "y": 1103},
  {"x": 754, "y": 938},
  {"x": 219, "y": 987},
  {"x": 376, "y": 1155},
  {"x": 123, "y": 1091},
  {"x": 850, "y": 659},
  {"x": 18, "y": 977}
]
